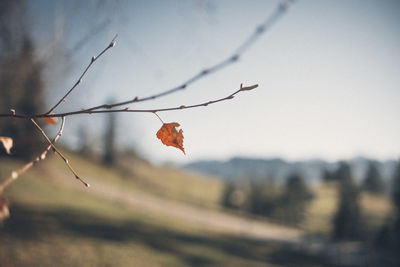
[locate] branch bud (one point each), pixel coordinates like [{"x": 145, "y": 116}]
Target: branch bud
[
  {"x": 248, "y": 88},
  {"x": 234, "y": 58},
  {"x": 204, "y": 72},
  {"x": 260, "y": 29}
]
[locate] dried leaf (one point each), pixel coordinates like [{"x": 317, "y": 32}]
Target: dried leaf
[
  {"x": 4, "y": 211},
  {"x": 50, "y": 120},
  {"x": 170, "y": 136},
  {"x": 7, "y": 143}
]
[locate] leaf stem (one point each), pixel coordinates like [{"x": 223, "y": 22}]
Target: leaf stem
[{"x": 155, "y": 113}]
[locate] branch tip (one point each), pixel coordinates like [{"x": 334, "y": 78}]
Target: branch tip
[
  {"x": 112, "y": 44},
  {"x": 248, "y": 88}
]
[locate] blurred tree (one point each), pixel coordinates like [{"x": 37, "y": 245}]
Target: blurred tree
[
  {"x": 347, "y": 222},
  {"x": 109, "y": 139},
  {"x": 295, "y": 199},
  {"x": 226, "y": 199},
  {"x": 373, "y": 181},
  {"x": 85, "y": 144},
  {"x": 263, "y": 197},
  {"x": 21, "y": 83},
  {"x": 396, "y": 201},
  {"x": 256, "y": 202},
  {"x": 396, "y": 187},
  {"x": 328, "y": 176},
  {"x": 234, "y": 197},
  {"x": 342, "y": 173},
  {"x": 388, "y": 237}
]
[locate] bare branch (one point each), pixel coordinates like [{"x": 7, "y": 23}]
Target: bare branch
[
  {"x": 271, "y": 20},
  {"x": 94, "y": 58},
  {"x": 15, "y": 174},
  {"x": 247, "y": 43},
  {"x": 91, "y": 111},
  {"x": 59, "y": 153}
]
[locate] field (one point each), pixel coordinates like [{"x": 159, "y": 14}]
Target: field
[
  {"x": 140, "y": 215},
  {"x": 375, "y": 209}
]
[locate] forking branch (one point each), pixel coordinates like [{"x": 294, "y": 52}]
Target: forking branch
[
  {"x": 246, "y": 44},
  {"x": 59, "y": 153},
  {"x": 15, "y": 174},
  {"x": 93, "y": 111},
  {"x": 107, "y": 108},
  {"x": 94, "y": 58}
]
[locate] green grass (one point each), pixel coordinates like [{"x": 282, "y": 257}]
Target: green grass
[
  {"x": 375, "y": 209},
  {"x": 138, "y": 175},
  {"x": 55, "y": 221}
]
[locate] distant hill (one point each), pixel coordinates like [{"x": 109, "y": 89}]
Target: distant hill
[{"x": 239, "y": 168}]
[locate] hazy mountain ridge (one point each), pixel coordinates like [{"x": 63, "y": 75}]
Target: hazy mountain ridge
[{"x": 239, "y": 168}]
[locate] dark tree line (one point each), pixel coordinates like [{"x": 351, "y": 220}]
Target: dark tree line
[
  {"x": 285, "y": 203},
  {"x": 21, "y": 79},
  {"x": 347, "y": 222},
  {"x": 389, "y": 236}
]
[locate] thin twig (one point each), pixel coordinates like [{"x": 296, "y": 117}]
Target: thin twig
[
  {"x": 266, "y": 25},
  {"x": 204, "y": 104},
  {"x": 89, "y": 111},
  {"x": 15, "y": 174},
  {"x": 59, "y": 153},
  {"x": 94, "y": 58},
  {"x": 243, "y": 47}
]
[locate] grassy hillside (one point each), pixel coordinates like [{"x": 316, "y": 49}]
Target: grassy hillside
[
  {"x": 55, "y": 221},
  {"x": 375, "y": 209}
]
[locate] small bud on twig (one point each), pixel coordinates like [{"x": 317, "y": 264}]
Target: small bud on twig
[
  {"x": 234, "y": 58},
  {"x": 260, "y": 29},
  {"x": 248, "y": 88}
]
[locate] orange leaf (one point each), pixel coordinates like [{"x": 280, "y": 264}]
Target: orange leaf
[
  {"x": 4, "y": 211},
  {"x": 50, "y": 120},
  {"x": 7, "y": 143},
  {"x": 170, "y": 136}
]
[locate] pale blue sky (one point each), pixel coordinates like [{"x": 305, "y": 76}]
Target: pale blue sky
[{"x": 329, "y": 76}]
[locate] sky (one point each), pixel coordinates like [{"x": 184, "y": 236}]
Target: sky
[{"x": 328, "y": 75}]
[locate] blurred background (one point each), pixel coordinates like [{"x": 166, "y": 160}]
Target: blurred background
[{"x": 302, "y": 171}]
